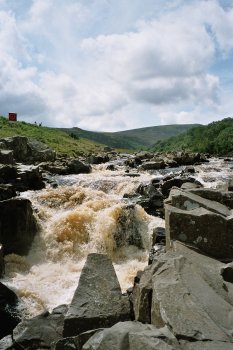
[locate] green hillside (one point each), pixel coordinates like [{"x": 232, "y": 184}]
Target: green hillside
[
  {"x": 60, "y": 141},
  {"x": 131, "y": 139},
  {"x": 215, "y": 138}
]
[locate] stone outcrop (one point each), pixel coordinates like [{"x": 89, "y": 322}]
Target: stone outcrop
[
  {"x": 97, "y": 301},
  {"x": 21, "y": 177},
  {"x": 132, "y": 336},
  {"x": 185, "y": 291},
  {"x": 7, "y": 191},
  {"x": 17, "y": 226},
  {"x": 67, "y": 167},
  {"x": 26, "y": 151},
  {"x": 9, "y": 317},
  {"x": 204, "y": 224},
  {"x": 40, "y": 332}
]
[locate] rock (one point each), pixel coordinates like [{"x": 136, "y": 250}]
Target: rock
[
  {"x": 40, "y": 332},
  {"x": 27, "y": 151},
  {"x": 19, "y": 146},
  {"x": 9, "y": 317},
  {"x": 76, "y": 342},
  {"x": 75, "y": 166},
  {"x": 185, "y": 158},
  {"x": 6, "y": 343},
  {"x": 97, "y": 301},
  {"x": 206, "y": 345},
  {"x": 142, "y": 297},
  {"x": 8, "y": 174},
  {"x": 29, "y": 178},
  {"x": 152, "y": 165},
  {"x": 167, "y": 185},
  {"x": 189, "y": 186},
  {"x": 158, "y": 235},
  {"x": 128, "y": 229},
  {"x": 189, "y": 296},
  {"x": 98, "y": 158},
  {"x": 7, "y": 191},
  {"x": 133, "y": 336},
  {"x": 227, "y": 272},
  {"x": 67, "y": 167},
  {"x": 199, "y": 222},
  {"x": 2, "y": 264},
  {"x": 17, "y": 226},
  {"x": 225, "y": 198},
  {"x": 6, "y": 157},
  {"x": 40, "y": 152}
]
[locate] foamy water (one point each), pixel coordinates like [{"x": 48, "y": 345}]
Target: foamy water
[{"x": 87, "y": 213}]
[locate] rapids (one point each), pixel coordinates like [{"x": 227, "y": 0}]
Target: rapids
[{"x": 87, "y": 213}]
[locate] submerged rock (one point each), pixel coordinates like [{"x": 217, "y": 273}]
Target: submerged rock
[{"x": 97, "y": 301}]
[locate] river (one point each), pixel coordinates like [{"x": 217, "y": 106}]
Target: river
[{"x": 86, "y": 213}]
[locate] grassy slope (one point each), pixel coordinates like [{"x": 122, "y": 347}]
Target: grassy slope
[
  {"x": 214, "y": 138},
  {"x": 132, "y": 139},
  {"x": 60, "y": 141}
]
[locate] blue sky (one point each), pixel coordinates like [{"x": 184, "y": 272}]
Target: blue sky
[{"x": 116, "y": 64}]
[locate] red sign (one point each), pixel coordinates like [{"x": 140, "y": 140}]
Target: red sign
[{"x": 12, "y": 117}]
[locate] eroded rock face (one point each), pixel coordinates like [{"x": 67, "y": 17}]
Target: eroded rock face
[
  {"x": 189, "y": 295},
  {"x": 197, "y": 221},
  {"x": 41, "y": 332},
  {"x": 133, "y": 336},
  {"x": 26, "y": 151},
  {"x": 17, "y": 226},
  {"x": 97, "y": 301}
]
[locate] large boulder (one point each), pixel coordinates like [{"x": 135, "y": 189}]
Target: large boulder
[
  {"x": 29, "y": 177},
  {"x": 97, "y": 301},
  {"x": 133, "y": 336},
  {"x": 199, "y": 222},
  {"x": 9, "y": 317},
  {"x": 40, "y": 332},
  {"x": 17, "y": 226},
  {"x": 67, "y": 167},
  {"x": 26, "y": 151},
  {"x": 186, "y": 292}
]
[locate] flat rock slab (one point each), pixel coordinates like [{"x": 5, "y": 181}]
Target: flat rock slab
[
  {"x": 133, "y": 336},
  {"x": 189, "y": 297},
  {"x": 97, "y": 302},
  {"x": 209, "y": 345}
]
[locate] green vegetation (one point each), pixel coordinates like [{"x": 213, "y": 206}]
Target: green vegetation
[
  {"x": 140, "y": 138},
  {"x": 60, "y": 141},
  {"x": 215, "y": 138}
]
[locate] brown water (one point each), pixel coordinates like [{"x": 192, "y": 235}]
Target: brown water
[{"x": 87, "y": 213}]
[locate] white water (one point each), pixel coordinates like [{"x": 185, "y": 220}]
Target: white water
[{"x": 85, "y": 214}]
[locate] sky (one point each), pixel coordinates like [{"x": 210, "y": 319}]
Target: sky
[{"x": 111, "y": 65}]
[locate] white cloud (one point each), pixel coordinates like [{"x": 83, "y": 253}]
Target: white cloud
[{"x": 54, "y": 67}]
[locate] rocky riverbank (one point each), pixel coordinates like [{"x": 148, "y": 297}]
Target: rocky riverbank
[{"x": 182, "y": 300}]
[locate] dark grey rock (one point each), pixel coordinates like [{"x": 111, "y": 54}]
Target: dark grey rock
[
  {"x": 76, "y": 342},
  {"x": 2, "y": 264},
  {"x": 17, "y": 225},
  {"x": 199, "y": 222},
  {"x": 207, "y": 345},
  {"x": 97, "y": 301},
  {"x": 152, "y": 165},
  {"x": 6, "y": 157},
  {"x": 7, "y": 191},
  {"x": 40, "y": 332},
  {"x": 9, "y": 317},
  {"x": 189, "y": 296}
]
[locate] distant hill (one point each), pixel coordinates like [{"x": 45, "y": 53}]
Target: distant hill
[
  {"x": 214, "y": 138},
  {"x": 60, "y": 141},
  {"x": 131, "y": 139}
]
